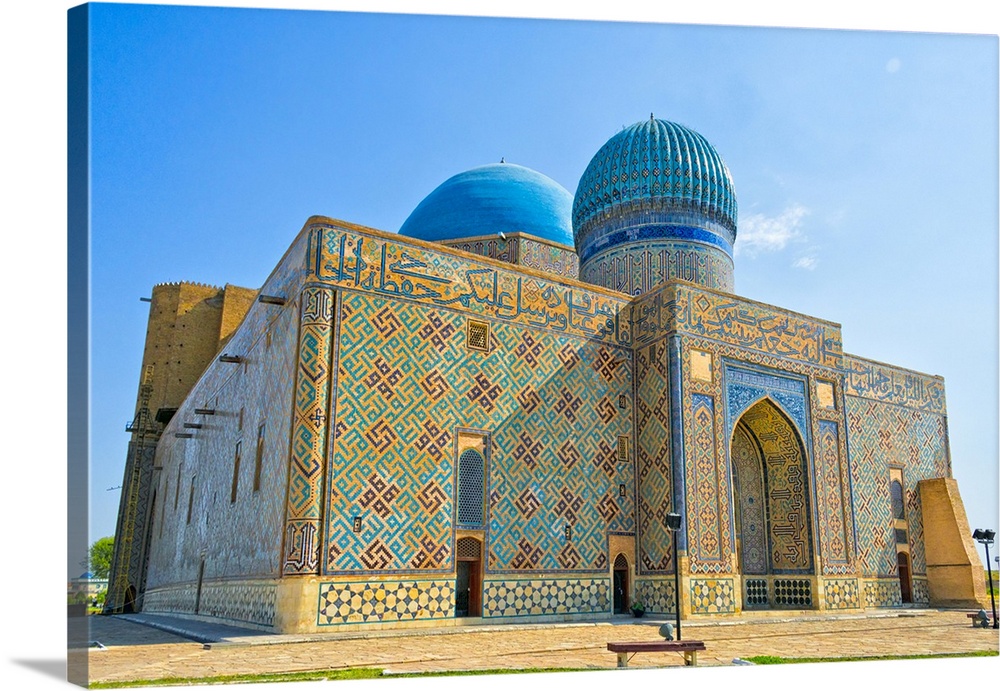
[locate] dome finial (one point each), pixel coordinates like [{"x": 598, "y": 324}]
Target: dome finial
[
  {"x": 501, "y": 160},
  {"x": 650, "y": 116}
]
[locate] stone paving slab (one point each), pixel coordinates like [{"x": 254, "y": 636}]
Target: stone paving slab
[{"x": 154, "y": 646}]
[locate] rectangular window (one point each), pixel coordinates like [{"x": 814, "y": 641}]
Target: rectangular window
[
  {"x": 236, "y": 472},
  {"x": 258, "y": 463},
  {"x": 239, "y": 425},
  {"x": 177, "y": 490},
  {"x": 191, "y": 499}
]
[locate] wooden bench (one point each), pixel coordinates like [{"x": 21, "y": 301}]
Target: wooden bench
[
  {"x": 689, "y": 648},
  {"x": 974, "y": 616}
]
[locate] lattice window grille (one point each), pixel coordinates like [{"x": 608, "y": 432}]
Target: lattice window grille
[
  {"x": 477, "y": 336},
  {"x": 793, "y": 592},
  {"x": 468, "y": 548},
  {"x": 621, "y": 563},
  {"x": 901, "y": 537},
  {"x": 897, "y": 499},
  {"x": 756, "y": 592},
  {"x": 470, "y": 488}
]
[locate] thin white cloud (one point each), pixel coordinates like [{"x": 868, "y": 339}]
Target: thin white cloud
[
  {"x": 893, "y": 65},
  {"x": 807, "y": 263},
  {"x": 759, "y": 233}
]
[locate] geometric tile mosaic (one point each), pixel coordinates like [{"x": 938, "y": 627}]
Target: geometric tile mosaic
[
  {"x": 410, "y": 600},
  {"x": 712, "y": 596},
  {"x": 841, "y": 593},
  {"x": 245, "y": 602},
  {"x": 544, "y": 397},
  {"x": 882, "y": 593},
  {"x": 657, "y": 595},
  {"x": 510, "y": 598},
  {"x": 830, "y": 487},
  {"x": 881, "y": 435},
  {"x": 652, "y": 422},
  {"x": 708, "y": 507},
  {"x": 638, "y": 267},
  {"x": 921, "y": 593}
]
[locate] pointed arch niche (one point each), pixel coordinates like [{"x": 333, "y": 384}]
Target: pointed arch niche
[{"x": 771, "y": 500}]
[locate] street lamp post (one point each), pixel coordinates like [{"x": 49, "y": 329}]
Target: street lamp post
[
  {"x": 674, "y": 526},
  {"x": 985, "y": 538}
]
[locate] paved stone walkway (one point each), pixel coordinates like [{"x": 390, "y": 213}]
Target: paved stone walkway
[{"x": 134, "y": 649}]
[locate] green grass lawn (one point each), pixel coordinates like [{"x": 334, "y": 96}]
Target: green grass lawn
[{"x": 774, "y": 660}]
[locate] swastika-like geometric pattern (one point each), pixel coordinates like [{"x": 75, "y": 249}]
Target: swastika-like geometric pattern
[
  {"x": 748, "y": 473},
  {"x": 708, "y": 516},
  {"x": 831, "y": 482},
  {"x": 787, "y": 488},
  {"x": 883, "y": 593},
  {"x": 554, "y": 444},
  {"x": 841, "y": 593},
  {"x": 657, "y": 595},
  {"x": 882, "y": 434},
  {"x": 712, "y": 596},
  {"x": 653, "y": 459},
  {"x": 361, "y": 603},
  {"x": 513, "y": 598},
  {"x": 309, "y": 432}
]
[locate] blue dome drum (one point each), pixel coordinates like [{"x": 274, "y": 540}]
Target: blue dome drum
[
  {"x": 655, "y": 203},
  {"x": 491, "y": 199}
]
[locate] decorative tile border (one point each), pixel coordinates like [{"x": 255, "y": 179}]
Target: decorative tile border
[
  {"x": 249, "y": 602},
  {"x": 386, "y": 601},
  {"x": 881, "y": 382},
  {"x": 513, "y": 598}
]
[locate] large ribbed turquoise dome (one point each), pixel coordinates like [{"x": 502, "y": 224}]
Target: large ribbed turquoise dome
[
  {"x": 501, "y": 197},
  {"x": 656, "y": 202}
]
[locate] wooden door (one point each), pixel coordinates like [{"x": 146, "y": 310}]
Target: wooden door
[{"x": 905, "y": 588}]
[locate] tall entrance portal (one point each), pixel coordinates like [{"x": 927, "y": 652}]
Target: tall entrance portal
[{"x": 772, "y": 511}]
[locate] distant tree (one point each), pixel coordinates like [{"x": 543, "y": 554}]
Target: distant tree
[{"x": 99, "y": 562}]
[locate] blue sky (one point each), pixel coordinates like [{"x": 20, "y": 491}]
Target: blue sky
[
  {"x": 884, "y": 152},
  {"x": 865, "y": 166}
]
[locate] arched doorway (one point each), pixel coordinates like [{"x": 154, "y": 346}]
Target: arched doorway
[
  {"x": 905, "y": 587},
  {"x": 620, "y": 583},
  {"x": 771, "y": 508},
  {"x": 468, "y": 581}
]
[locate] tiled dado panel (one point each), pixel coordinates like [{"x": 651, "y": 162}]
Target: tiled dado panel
[
  {"x": 658, "y": 595},
  {"x": 385, "y": 602},
  {"x": 712, "y": 596},
  {"x": 842, "y": 593},
  {"x": 406, "y": 381},
  {"x": 546, "y": 596},
  {"x": 251, "y": 602},
  {"x": 883, "y": 592},
  {"x": 921, "y": 593}
]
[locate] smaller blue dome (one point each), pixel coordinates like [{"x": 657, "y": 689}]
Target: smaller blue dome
[{"x": 501, "y": 197}]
